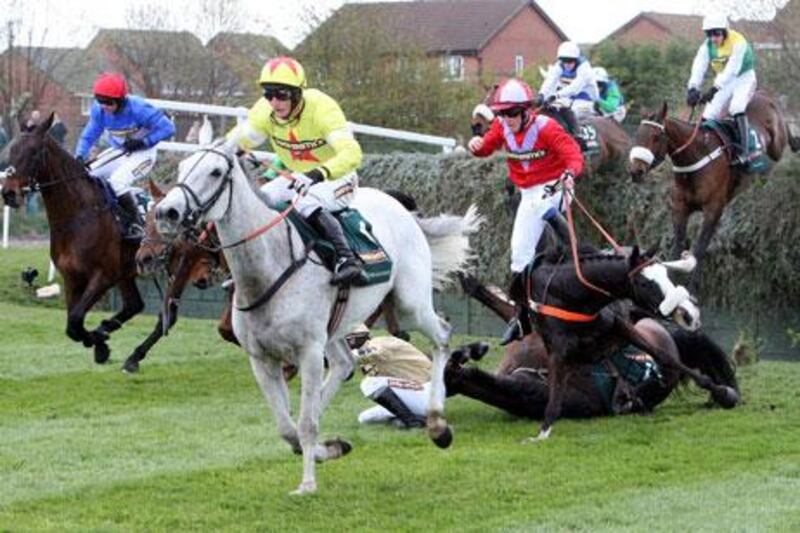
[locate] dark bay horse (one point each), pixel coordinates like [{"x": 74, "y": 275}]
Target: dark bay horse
[
  {"x": 85, "y": 237},
  {"x": 185, "y": 261},
  {"x": 519, "y": 384},
  {"x": 704, "y": 179},
  {"x": 576, "y": 321}
]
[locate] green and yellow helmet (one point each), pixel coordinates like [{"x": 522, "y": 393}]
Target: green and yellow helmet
[{"x": 283, "y": 71}]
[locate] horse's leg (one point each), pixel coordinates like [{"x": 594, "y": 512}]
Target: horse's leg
[
  {"x": 81, "y": 298},
  {"x": 711, "y": 218},
  {"x": 132, "y": 305},
  {"x": 269, "y": 375},
  {"x": 172, "y": 296},
  {"x": 438, "y": 331},
  {"x": 340, "y": 366},
  {"x": 557, "y": 382},
  {"x": 680, "y": 217},
  {"x": 225, "y": 327},
  {"x": 666, "y": 353},
  {"x": 311, "y": 368}
]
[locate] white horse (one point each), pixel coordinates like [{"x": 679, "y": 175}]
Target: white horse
[{"x": 292, "y": 325}]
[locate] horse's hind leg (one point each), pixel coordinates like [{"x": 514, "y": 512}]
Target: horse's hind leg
[
  {"x": 438, "y": 331},
  {"x": 710, "y": 222},
  {"x": 340, "y": 367}
]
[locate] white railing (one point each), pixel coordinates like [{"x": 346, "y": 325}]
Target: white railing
[{"x": 447, "y": 144}]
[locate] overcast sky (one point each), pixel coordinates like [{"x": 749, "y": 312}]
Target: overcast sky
[{"x": 74, "y": 22}]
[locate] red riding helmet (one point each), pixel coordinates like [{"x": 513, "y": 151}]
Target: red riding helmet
[
  {"x": 110, "y": 85},
  {"x": 510, "y": 94}
]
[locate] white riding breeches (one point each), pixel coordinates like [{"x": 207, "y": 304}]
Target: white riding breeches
[
  {"x": 413, "y": 394},
  {"x": 331, "y": 194},
  {"x": 530, "y": 221},
  {"x": 735, "y": 96},
  {"x": 123, "y": 170}
]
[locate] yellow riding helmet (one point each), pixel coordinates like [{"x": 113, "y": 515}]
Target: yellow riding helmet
[{"x": 285, "y": 71}]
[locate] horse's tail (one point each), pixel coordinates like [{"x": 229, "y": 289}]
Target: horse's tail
[{"x": 448, "y": 238}]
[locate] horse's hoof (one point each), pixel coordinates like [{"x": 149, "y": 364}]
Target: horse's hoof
[
  {"x": 444, "y": 439},
  {"x": 101, "y": 353},
  {"x": 307, "y": 487},
  {"x": 130, "y": 366},
  {"x": 337, "y": 448},
  {"x": 726, "y": 397}
]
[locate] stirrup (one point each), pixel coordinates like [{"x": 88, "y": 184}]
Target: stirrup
[
  {"x": 346, "y": 272},
  {"x": 513, "y": 332}
]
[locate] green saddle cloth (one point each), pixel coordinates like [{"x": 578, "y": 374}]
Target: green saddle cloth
[
  {"x": 632, "y": 366},
  {"x": 358, "y": 231},
  {"x": 758, "y": 161}
]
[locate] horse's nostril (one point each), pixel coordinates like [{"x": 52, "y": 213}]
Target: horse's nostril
[{"x": 172, "y": 214}]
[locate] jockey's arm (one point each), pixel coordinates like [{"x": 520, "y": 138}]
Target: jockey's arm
[
  {"x": 583, "y": 77},
  {"x": 348, "y": 153},
  {"x": 699, "y": 67},
  {"x": 550, "y": 83},
  {"x": 91, "y": 132},
  {"x": 612, "y": 101},
  {"x": 253, "y": 131},
  {"x": 733, "y": 66},
  {"x": 563, "y": 144},
  {"x": 159, "y": 126}
]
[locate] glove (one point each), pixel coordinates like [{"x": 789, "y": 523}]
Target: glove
[
  {"x": 301, "y": 182},
  {"x": 477, "y": 129},
  {"x": 475, "y": 144},
  {"x": 693, "y": 97},
  {"x": 709, "y": 95},
  {"x": 598, "y": 109},
  {"x": 132, "y": 145},
  {"x": 568, "y": 181}
]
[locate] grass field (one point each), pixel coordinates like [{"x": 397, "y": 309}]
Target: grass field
[{"x": 190, "y": 444}]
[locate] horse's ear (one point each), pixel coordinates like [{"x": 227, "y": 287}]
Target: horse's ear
[
  {"x": 634, "y": 258},
  {"x": 155, "y": 190},
  {"x": 663, "y": 113}
]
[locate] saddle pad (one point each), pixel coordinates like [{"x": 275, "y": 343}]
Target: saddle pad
[
  {"x": 758, "y": 161},
  {"x": 109, "y": 196},
  {"x": 358, "y": 231},
  {"x": 588, "y": 133},
  {"x": 632, "y": 365}
]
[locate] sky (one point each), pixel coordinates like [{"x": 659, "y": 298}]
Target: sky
[{"x": 74, "y": 23}]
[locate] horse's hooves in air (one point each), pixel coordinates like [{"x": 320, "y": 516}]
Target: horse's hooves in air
[
  {"x": 726, "y": 397},
  {"x": 445, "y": 438},
  {"x": 130, "y": 366},
  {"x": 101, "y": 353}
]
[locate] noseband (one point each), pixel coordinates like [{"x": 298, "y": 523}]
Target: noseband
[{"x": 191, "y": 216}]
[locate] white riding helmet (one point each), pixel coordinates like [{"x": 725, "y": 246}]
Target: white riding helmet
[
  {"x": 568, "y": 50},
  {"x": 600, "y": 75},
  {"x": 512, "y": 93},
  {"x": 715, "y": 22}
]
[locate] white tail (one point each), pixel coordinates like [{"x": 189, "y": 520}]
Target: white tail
[{"x": 448, "y": 238}]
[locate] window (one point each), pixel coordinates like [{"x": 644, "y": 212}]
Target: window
[
  {"x": 453, "y": 67},
  {"x": 519, "y": 65}
]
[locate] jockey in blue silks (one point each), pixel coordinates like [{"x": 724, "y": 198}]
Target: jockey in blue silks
[{"x": 134, "y": 128}]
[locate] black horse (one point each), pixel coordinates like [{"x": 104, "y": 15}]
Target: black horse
[{"x": 576, "y": 321}]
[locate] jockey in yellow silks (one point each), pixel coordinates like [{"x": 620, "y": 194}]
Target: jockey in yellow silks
[
  {"x": 311, "y": 137},
  {"x": 732, "y": 58}
]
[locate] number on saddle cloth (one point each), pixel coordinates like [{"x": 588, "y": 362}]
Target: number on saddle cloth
[
  {"x": 358, "y": 231},
  {"x": 759, "y": 162}
]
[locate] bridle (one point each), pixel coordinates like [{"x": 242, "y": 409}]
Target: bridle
[{"x": 191, "y": 216}]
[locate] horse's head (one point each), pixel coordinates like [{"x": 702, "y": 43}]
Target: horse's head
[
  {"x": 204, "y": 189},
  {"x": 154, "y": 250},
  {"x": 649, "y": 145},
  {"x": 26, "y": 157},
  {"x": 655, "y": 292}
]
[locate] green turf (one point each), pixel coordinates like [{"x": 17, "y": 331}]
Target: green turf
[{"x": 190, "y": 444}]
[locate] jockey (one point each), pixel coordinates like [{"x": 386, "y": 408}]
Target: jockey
[
  {"x": 732, "y": 58},
  {"x": 570, "y": 78},
  {"x": 539, "y": 153},
  {"x": 134, "y": 129},
  {"x": 610, "y": 101},
  {"x": 310, "y": 135}
]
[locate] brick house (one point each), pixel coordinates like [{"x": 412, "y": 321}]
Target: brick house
[
  {"x": 661, "y": 28},
  {"x": 472, "y": 39},
  {"x": 244, "y": 54}
]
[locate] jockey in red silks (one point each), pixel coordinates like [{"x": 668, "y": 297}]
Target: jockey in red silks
[{"x": 539, "y": 152}]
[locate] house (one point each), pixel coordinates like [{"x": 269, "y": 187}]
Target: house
[
  {"x": 662, "y": 28},
  {"x": 244, "y": 54},
  {"x": 472, "y": 39}
]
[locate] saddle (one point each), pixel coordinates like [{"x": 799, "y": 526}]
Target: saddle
[
  {"x": 617, "y": 376},
  {"x": 726, "y": 130},
  {"x": 358, "y": 231}
]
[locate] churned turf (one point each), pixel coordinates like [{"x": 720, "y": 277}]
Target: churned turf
[{"x": 189, "y": 444}]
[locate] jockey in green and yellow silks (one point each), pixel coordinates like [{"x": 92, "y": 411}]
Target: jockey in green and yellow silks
[
  {"x": 732, "y": 58},
  {"x": 311, "y": 137}
]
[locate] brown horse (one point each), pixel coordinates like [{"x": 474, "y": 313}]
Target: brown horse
[
  {"x": 704, "y": 179},
  {"x": 184, "y": 261},
  {"x": 85, "y": 237}
]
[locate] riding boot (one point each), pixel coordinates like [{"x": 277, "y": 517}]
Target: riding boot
[
  {"x": 348, "y": 269},
  {"x": 519, "y": 326},
  {"x": 559, "y": 225},
  {"x": 131, "y": 218},
  {"x": 390, "y": 401},
  {"x": 744, "y": 138}
]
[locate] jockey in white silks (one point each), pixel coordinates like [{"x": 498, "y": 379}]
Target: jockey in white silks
[
  {"x": 571, "y": 79},
  {"x": 732, "y": 58}
]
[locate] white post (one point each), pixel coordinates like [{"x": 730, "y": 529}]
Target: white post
[{"x": 6, "y": 224}]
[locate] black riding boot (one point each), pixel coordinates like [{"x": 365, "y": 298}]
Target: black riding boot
[
  {"x": 560, "y": 227},
  {"x": 387, "y": 399},
  {"x": 520, "y": 326},
  {"x": 744, "y": 138},
  {"x": 348, "y": 269},
  {"x": 131, "y": 218}
]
